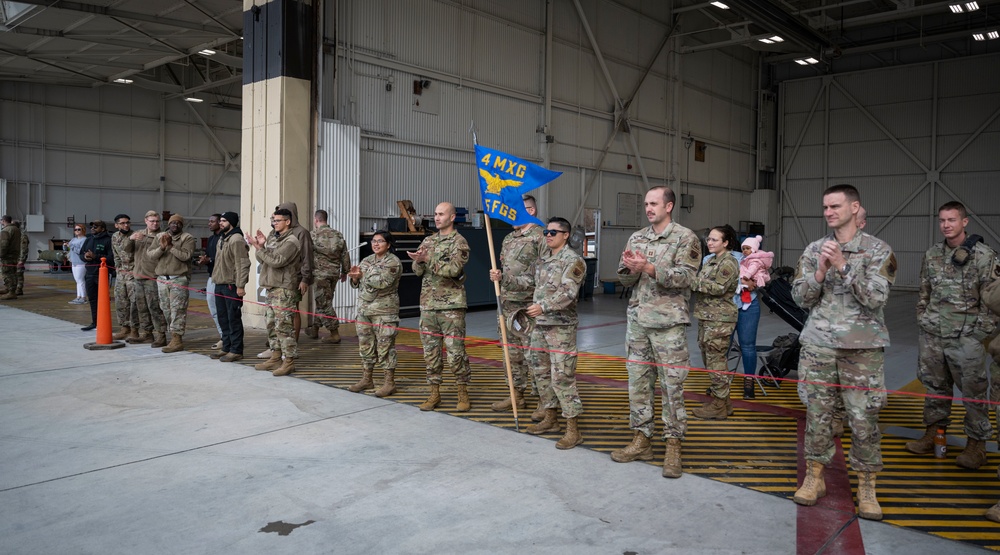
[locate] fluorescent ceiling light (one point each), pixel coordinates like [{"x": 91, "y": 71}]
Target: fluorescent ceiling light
[
  {"x": 772, "y": 40},
  {"x": 192, "y": 99},
  {"x": 971, "y": 6},
  {"x": 206, "y": 52},
  {"x": 720, "y": 5},
  {"x": 956, "y": 8},
  {"x": 123, "y": 81},
  {"x": 806, "y": 61},
  {"x": 993, "y": 35},
  {"x": 978, "y": 36}
]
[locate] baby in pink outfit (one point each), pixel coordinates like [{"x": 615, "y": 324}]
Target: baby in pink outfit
[{"x": 754, "y": 267}]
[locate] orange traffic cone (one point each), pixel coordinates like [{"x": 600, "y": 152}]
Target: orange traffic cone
[{"x": 104, "y": 340}]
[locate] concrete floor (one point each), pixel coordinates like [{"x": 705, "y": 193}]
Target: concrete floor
[{"x": 136, "y": 451}]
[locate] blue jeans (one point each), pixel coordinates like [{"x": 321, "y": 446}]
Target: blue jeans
[{"x": 746, "y": 332}]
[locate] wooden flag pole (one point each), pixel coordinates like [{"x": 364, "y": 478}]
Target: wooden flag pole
[{"x": 503, "y": 324}]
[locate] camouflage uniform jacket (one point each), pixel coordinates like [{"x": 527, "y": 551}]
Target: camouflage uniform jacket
[
  {"x": 557, "y": 286},
  {"x": 715, "y": 285},
  {"x": 24, "y": 247},
  {"x": 280, "y": 264},
  {"x": 175, "y": 261},
  {"x": 444, "y": 272},
  {"x": 144, "y": 266},
  {"x": 232, "y": 259},
  {"x": 10, "y": 243},
  {"x": 124, "y": 250},
  {"x": 330, "y": 257},
  {"x": 949, "y": 303},
  {"x": 518, "y": 256},
  {"x": 846, "y": 311},
  {"x": 379, "y": 285},
  {"x": 662, "y": 302}
]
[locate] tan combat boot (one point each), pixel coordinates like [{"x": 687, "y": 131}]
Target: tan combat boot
[
  {"x": 286, "y": 368},
  {"x": 218, "y": 354},
  {"x": 312, "y": 331},
  {"x": 463, "y": 405},
  {"x": 143, "y": 337},
  {"x": 572, "y": 437},
  {"x": 175, "y": 344},
  {"x": 507, "y": 404},
  {"x": 548, "y": 424},
  {"x": 159, "y": 339},
  {"x": 640, "y": 449},
  {"x": 272, "y": 363},
  {"x": 433, "y": 400},
  {"x": 813, "y": 486},
  {"x": 133, "y": 335},
  {"x": 974, "y": 455},
  {"x": 388, "y": 384},
  {"x": 868, "y": 507},
  {"x": 925, "y": 444},
  {"x": 123, "y": 333},
  {"x": 231, "y": 357},
  {"x": 334, "y": 337},
  {"x": 11, "y": 295},
  {"x": 364, "y": 383},
  {"x": 713, "y": 410},
  {"x": 994, "y": 513},
  {"x": 672, "y": 467},
  {"x": 539, "y": 414}
]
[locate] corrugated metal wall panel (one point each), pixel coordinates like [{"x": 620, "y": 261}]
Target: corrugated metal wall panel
[{"x": 338, "y": 192}]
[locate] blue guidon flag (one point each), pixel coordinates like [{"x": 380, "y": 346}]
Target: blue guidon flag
[{"x": 503, "y": 179}]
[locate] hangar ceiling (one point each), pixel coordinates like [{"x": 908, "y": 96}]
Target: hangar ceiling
[{"x": 193, "y": 48}]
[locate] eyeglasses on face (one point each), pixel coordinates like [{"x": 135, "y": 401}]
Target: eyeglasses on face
[
  {"x": 379, "y": 242},
  {"x": 552, "y": 232},
  {"x": 77, "y": 229},
  {"x": 275, "y": 220}
]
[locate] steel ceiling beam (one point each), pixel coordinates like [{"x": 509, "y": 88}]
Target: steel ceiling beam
[{"x": 134, "y": 16}]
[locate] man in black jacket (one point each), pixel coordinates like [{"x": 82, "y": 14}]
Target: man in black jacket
[{"x": 96, "y": 247}]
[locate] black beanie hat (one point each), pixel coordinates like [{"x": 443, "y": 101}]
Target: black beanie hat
[{"x": 232, "y": 217}]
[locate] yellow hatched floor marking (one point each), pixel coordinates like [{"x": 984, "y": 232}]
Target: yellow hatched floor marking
[{"x": 752, "y": 449}]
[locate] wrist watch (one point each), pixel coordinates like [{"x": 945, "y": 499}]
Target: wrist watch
[{"x": 845, "y": 269}]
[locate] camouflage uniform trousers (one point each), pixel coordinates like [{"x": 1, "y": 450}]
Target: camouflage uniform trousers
[
  {"x": 377, "y": 340},
  {"x": 516, "y": 349},
  {"x": 125, "y": 301},
  {"x": 450, "y": 324},
  {"x": 862, "y": 371},
  {"x": 19, "y": 280},
  {"x": 9, "y": 271},
  {"x": 667, "y": 348},
  {"x": 280, "y": 309},
  {"x": 174, "y": 296},
  {"x": 713, "y": 340},
  {"x": 325, "y": 288},
  {"x": 944, "y": 363},
  {"x": 147, "y": 301},
  {"x": 553, "y": 360}
]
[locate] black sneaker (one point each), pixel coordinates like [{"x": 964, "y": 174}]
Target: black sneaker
[{"x": 88, "y": 328}]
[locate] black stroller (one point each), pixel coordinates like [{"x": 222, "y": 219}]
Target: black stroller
[{"x": 783, "y": 355}]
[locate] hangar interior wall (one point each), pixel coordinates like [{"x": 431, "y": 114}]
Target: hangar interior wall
[
  {"x": 92, "y": 153},
  {"x": 910, "y": 138},
  {"x": 414, "y": 80}
]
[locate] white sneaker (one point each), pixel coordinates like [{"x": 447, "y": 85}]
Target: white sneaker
[
  {"x": 265, "y": 354},
  {"x": 217, "y": 345}
]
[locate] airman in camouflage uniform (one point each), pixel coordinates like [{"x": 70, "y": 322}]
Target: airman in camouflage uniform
[
  {"x": 953, "y": 323},
  {"x": 844, "y": 280},
  {"x": 280, "y": 267},
  {"x": 10, "y": 250},
  {"x": 331, "y": 262},
  {"x": 173, "y": 252},
  {"x": 518, "y": 255},
  {"x": 377, "y": 281},
  {"x": 440, "y": 261},
  {"x": 125, "y": 301},
  {"x": 147, "y": 295},
  {"x": 716, "y": 313},
  {"x": 660, "y": 263},
  {"x": 559, "y": 272},
  {"x": 22, "y": 258}
]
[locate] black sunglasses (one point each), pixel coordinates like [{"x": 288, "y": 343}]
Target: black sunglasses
[{"x": 552, "y": 232}]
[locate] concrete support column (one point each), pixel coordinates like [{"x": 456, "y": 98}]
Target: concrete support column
[{"x": 279, "y": 61}]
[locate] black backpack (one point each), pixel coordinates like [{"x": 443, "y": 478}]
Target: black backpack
[{"x": 784, "y": 354}]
